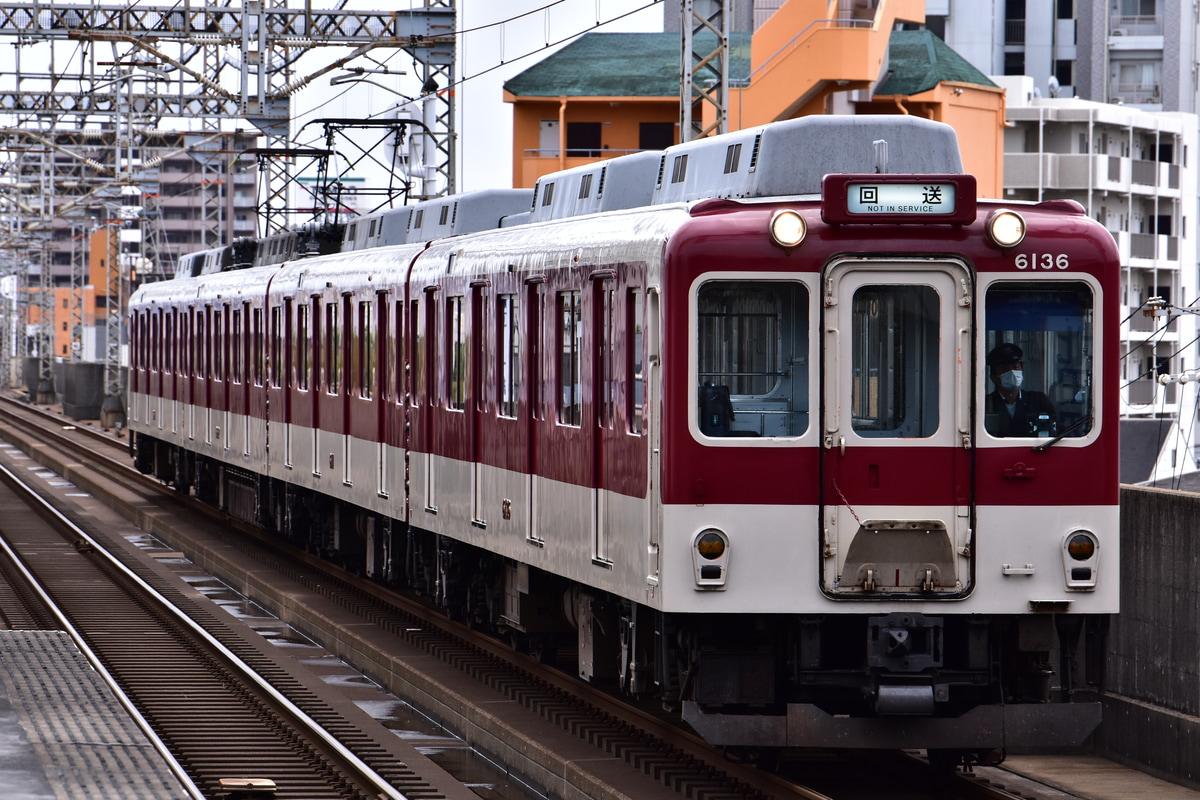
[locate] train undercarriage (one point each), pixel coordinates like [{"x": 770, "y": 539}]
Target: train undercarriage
[{"x": 967, "y": 685}]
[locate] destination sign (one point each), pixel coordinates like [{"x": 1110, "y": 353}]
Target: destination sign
[{"x": 900, "y": 198}]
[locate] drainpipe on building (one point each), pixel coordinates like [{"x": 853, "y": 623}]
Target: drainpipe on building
[{"x": 562, "y": 133}]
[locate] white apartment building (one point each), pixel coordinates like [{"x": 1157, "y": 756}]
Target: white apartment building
[
  {"x": 1135, "y": 172},
  {"x": 1125, "y": 149}
]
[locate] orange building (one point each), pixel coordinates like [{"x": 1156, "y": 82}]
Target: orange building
[
  {"x": 100, "y": 286},
  {"x": 607, "y": 94}
]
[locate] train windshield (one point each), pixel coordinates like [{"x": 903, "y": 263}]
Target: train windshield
[
  {"x": 1039, "y": 350},
  {"x": 752, "y": 350}
]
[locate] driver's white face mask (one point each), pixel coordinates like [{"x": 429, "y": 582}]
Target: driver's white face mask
[{"x": 1012, "y": 379}]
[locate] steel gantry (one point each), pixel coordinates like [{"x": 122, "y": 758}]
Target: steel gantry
[
  {"x": 131, "y": 66},
  {"x": 704, "y": 89}
]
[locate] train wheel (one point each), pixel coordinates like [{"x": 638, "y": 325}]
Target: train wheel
[{"x": 947, "y": 760}]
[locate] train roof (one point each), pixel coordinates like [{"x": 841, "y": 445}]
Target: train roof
[
  {"x": 438, "y": 218},
  {"x": 779, "y": 159},
  {"x": 622, "y": 182},
  {"x": 788, "y": 158}
]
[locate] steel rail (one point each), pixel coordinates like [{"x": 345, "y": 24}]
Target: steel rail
[
  {"x": 95, "y": 662},
  {"x": 312, "y": 727}
]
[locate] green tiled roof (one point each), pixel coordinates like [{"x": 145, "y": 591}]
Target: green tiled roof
[
  {"x": 919, "y": 61},
  {"x": 647, "y": 65},
  {"x": 610, "y": 65}
]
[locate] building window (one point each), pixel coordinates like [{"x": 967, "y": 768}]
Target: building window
[
  {"x": 656, "y": 135},
  {"x": 583, "y": 139}
]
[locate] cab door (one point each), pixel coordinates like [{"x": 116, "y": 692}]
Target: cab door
[{"x": 896, "y": 478}]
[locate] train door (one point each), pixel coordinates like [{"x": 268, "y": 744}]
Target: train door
[
  {"x": 533, "y": 360},
  {"x": 476, "y": 406},
  {"x": 432, "y": 396},
  {"x": 896, "y": 492},
  {"x": 603, "y": 426}
]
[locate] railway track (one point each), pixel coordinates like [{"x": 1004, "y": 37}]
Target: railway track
[
  {"x": 383, "y": 634},
  {"x": 214, "y": 705}
]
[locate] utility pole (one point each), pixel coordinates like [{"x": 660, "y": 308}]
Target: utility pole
[{"x": 704, "y": 68}]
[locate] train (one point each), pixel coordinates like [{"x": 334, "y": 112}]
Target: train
[{"x": 731, "y": 426}]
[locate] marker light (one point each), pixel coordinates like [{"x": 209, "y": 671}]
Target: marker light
[
  {"x": 788, "y": 228},
  {"x": 1081, "y": 547},
  {"x": 1007, "y": 228},
  {"x": 710, "y": 544},
  {"x": 710, "y": 559}
]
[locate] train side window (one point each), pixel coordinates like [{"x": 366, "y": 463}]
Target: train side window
[
  {"x": 218, "y": 355},
  {"x": 570, "y": 345},
  {"x": 332, "y": 344},
  {"x": 236, "y": 366},
  {"x": 396, "y": 354},
  {"x": 276, "y": 355},
  {"x": 366, "y": 350},
  {"x": 303, "y": 347},
  {"x": 508, "y": 370},
  {"x": 1039, "y": 350},
  {"x": 258, "y": 350},
  {"x": 752, "y": 358},
  {"x": 416, "y": 350},
  {"x": 201, "y": 342},
  {"x": 456, "y": 344},
  {"x": 636, "y": 379},
  {"x": 155, "y": 342},
  {"x": 169, "y": 340},
  {"x": 605, "y": 299}
]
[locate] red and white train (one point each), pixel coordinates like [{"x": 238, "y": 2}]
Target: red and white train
[{"x": 720, "y": 420}]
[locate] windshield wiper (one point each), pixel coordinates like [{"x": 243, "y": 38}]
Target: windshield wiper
[{"x": 1040, "y": 447}]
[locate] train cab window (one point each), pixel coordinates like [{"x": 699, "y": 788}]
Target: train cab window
[
  {"x": 752, "y": 359},
  {"x": 895, "y": 361},
  {"x": 1039, "y": 350}
]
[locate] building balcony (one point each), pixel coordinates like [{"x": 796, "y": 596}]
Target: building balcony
[
  {"x": 1124, "y": 25},
  {"x": 1088, "y": 172},
  {"x": 1136, "y": 94},
  {"x": 1146, "y": 392}
]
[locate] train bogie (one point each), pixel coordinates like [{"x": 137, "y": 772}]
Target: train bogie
[{"x": 830, "y": 468}]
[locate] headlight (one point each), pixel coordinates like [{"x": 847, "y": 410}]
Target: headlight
[
  {"x": 1007, "y": 228},
  {"x": 788, "y": 228}
]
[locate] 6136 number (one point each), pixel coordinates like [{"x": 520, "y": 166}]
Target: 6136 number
[{"x": 1042, "y": 261}]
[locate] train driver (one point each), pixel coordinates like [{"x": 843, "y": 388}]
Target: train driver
[{"x": 1012, "y": 410}]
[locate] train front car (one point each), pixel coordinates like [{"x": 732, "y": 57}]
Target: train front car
[{"x": 889, "y": 468}]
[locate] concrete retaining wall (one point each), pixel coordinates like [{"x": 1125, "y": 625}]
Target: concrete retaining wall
[{"x": 1152, "y": 711}]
